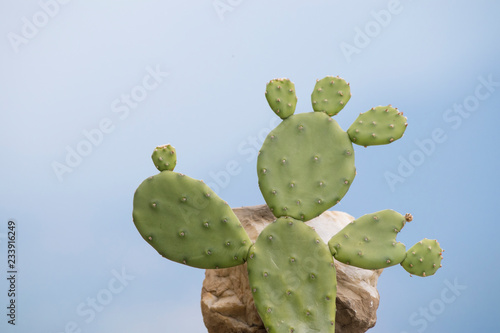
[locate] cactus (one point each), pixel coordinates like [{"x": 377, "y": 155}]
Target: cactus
[
  {"x": 423, "y": 258},
  {"x": 330, "y": 95},
  {"x": 185, "y": 221},
  {"x": 370, "y": 241},
  {"x": 280, "y": 94},
  {"x": 164, "y": 158},
  {"x": 305, "y": 166},
  {"x": 291, "y": 271},
  {"x": 378, "y": 126}
]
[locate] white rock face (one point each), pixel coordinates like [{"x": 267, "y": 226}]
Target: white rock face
[{"x": 227, "y": 304}]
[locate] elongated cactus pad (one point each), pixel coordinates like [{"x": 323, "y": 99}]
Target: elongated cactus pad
[
  {"x": 423, "y": 258},
  {"x": 330, "y": 95},
  {"x": 370, "y": 241},
  {"x": 293, "y": 279},
  {"x": 378, "y": 126},
  {"x": 305, "y": 166},
  {"x": 280, "y": 94},
  {"x": 185, "y": 221}
]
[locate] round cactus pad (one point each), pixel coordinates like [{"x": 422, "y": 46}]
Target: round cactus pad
[
  {"x": 185, "y": 221},
  {"x": 305, "y": 166},
  {"x": 423, "y": 258},
  {"x": 330, "y": 95},
  {"x": 292, "y": 278},
  {"x": 164, "y": 158}
]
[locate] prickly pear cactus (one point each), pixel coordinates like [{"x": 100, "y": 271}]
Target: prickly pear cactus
[
  {"x": 280, "y": 94},
  {"x": 292, "y": 278},
  {"x": 370, "y": 241},
  {"x": 378, "y": 126},
  {"x": 423, "y": 258},
  {"x": 185, "y": 221},
  {"x": 305, "y": 166},
  {"x": 330, "y": 95},
  {"x": 164, "y": 158}
]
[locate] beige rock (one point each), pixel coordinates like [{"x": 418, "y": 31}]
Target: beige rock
[{"x": 227, "y": 304}]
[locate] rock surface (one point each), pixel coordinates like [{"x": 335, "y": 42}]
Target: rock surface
[{"x": 227, "y": 304}]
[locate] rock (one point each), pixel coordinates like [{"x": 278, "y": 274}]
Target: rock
[{"x": 227, "y": 304}]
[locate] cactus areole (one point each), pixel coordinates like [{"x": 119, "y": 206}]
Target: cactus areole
[{"x": 305, "y": 167}]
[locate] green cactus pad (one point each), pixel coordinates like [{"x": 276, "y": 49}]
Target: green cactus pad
[
  {"x": 378, "y": 126},
  {"x": 370, "y": 241},
  {"x": 305, "y": 166},
  {"x": 185, "y": 221},
  {"x": 423, "y": 258},
  {"x": 330, "y": 95},
  {"x": 164, "y": 158},
  {"x": 293, "y": 279},
  {"x": 280, "y": 94}
]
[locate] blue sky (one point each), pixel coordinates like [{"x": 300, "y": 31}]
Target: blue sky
[{"x": 110, "y": 81}]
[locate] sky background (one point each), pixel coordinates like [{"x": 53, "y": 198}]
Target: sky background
[{"x": 66, "y": 69}]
